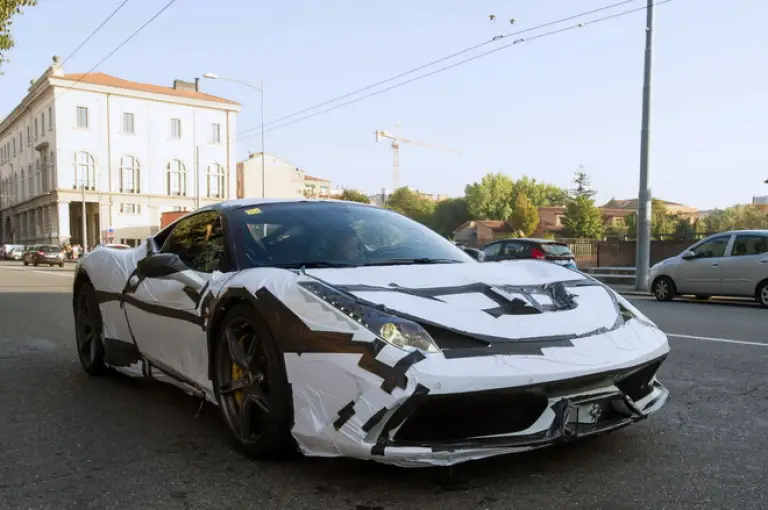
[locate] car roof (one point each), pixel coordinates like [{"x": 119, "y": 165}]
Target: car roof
[{"x": 530, "y": 240}]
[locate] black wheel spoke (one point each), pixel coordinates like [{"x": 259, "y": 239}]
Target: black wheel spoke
[
  {"x": 252, "y": 350},
  {"x": 254, "y": 404},
  {"x": 85, "y": 345},
  {"x": 232, "y": 386},
  {"x": 85, "y": 318},
  {"x": 236, "y": 350}
]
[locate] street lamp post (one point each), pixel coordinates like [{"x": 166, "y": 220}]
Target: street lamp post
[{"x": 213, "y": 76}]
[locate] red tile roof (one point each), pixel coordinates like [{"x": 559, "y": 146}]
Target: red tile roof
[
  {"x": 310, "y": 178},
  {"x": 112, "y": 81}
]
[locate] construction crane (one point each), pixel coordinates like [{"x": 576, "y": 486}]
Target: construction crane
[{"x": 396, "y": 141}]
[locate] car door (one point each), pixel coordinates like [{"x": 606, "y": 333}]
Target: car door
[
  {"x": 746, "y": 265},
  {"x": 703, "y": 273},
  {"x": 164, "y": 313}
]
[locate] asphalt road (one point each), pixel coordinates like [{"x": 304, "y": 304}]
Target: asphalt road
[{"x": 67, "y": 441}]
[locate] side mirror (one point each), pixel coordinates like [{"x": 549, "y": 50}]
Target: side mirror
[
  {"x": 688, "y": 255},
  {"x": 475, "y": 254},
  {"x": 160, "y": 265}
]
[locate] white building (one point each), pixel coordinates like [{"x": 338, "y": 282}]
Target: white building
[
  {"x": 129, "y": 151},
  {"x": 280, "y": 179}
]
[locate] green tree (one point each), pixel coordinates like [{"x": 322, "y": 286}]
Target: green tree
[
  {"x": 684, "y": 229},
  {"x": 539, "y": 194},
  {"x": 662, "y": 223},
  {"x": 449, "y": 215},
  {"x": 583, "y": 219},
  {"x": 736, "y": 217},
  {"x": 525, "y": 216},
  {"x": 491, "y": 198},
  {"x": 411, "y": 204},
  {"x": 583, "y": 185},
  {"x": 352, "y": 195},
  {"x": 9, "y": 8}
]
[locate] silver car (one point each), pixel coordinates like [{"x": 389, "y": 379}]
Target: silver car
[{"x": 726, "y": 264}]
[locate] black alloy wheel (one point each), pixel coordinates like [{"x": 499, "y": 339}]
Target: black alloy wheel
[
  {"x": 762, "y": 294},
  {"x": 252, "y": 387},
  {"x": 663, "y": 289},
  {"x": 88, "y": 331}
]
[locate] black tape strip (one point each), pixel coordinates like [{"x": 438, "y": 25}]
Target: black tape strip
[
  {"x": 163, "y": 311},
  {"x": 119, "y": 353},
  {"x": 396, "y": 376},
  {"x": 375, "y": 419},
  {"x": 399, "y": 416},
  {"x": 345, "y": 413}
]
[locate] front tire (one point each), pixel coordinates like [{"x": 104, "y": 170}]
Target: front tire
[
  {"x": 664, "y": 289},
  {"x": 252, "y": 387},
  {"x": 88, "y": 331},
  {"x": 762, "y": 294}
]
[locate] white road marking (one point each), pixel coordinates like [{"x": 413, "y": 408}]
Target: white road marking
[
  {"x": 56, "y": 273},
  {"x": 721, "y": 340}
]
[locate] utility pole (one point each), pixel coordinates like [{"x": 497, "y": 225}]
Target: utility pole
[
  {"x": 643, "y": 255},
  {"x": 85, "y": 220},
  {"x": 263, "y": 154}
]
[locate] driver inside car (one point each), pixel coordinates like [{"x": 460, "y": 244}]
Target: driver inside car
[{"x": 349, "y": 245}]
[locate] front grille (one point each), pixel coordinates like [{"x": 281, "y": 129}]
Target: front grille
[
  {"x": 460, "y": 416},
  {"x": 638, "y": 385}
]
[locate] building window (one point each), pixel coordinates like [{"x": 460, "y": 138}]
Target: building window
[
  {"x": 215, "y": 133},
  {"x": 21, "y": 142},
  {"x": 29, "y": 136},
  {"x": 129, "y": 174},
  {"x": 85, "y": 171},
  {"x": 14, "y": 147},
  {"x": 52, "y": 168},
  {"x": 176, "y": 128},
  {"x": 128, "y": 123},
  {"x": 37, "y": 129},
  {"x": 44, "y": 179},
  {"x": 215, "y": 181},
  {"x": 31, "y": 178},
  {"x": 177, "y": 178},
  {"x": 82, "y": 117},
  {"x": 23, "y": 186},
  {"x": 42, "y": 123},
  {"x": 126, "y": 208},
  {"x": 38, "y": 178},
  {"x": 50, "y": 118}
]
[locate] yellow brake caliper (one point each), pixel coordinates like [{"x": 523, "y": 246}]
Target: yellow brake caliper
[{"x": 238, "y": 374}]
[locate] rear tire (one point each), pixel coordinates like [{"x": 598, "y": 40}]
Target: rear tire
[
  {"x": 256, "y": 384},
  {"x": 88, "y": 331},
  {"x": 61, "y": 264},
  {"x": 664, "y": 289},
  {"x": 762, "y": 294},
  {"x": 26, "y": 263}
]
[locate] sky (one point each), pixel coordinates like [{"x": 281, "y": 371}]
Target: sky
[{"x": 540, "y": 108}]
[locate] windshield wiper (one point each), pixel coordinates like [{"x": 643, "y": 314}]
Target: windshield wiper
[
  {"x": 314, "y": 265},
  {"x": 408, "y": 262}
]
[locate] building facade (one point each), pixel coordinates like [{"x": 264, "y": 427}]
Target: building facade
[
  {"x": 89, "y": 158},
  {"x": 279, "y": 179}
]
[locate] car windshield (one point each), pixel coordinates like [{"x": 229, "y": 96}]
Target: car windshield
[
  {"x": 556, "y": 249},
  {"x": 335, "y": 234},
  {"x": 49, "y": 248}
]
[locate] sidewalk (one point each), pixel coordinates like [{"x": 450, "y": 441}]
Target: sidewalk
[{"x": 628, "y": 290}]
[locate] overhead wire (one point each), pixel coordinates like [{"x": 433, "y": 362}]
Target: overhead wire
[
  {"x": 95, "y": 31},
  {"x": 493, "y": 40},
  {"x": 117, "y": 48}
]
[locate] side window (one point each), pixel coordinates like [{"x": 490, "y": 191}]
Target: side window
[
  {"x": 749, "y": 244},
  {"x": 712, "y": 249},
  {"x": 492, "y": 250},
  {"x": 514, "y": 249},
  {"x": 198, "y": 241}
]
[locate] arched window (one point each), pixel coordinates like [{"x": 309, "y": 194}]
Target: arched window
[
  {"x": 129, "y": 174},
  {"x": 85, "y": 171},
  {"x": 177, "y": 178},
  {"x": 215, "y": 181}
]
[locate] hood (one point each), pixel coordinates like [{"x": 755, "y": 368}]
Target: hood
[{"x": 525, "y": 300}]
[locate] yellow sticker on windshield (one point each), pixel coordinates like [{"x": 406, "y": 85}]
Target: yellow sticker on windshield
[{"x": 251, "y": 212}]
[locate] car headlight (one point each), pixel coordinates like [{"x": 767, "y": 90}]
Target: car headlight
[
  {"x": 402, "y": 333},
  {"x": 630, "y": 311}
]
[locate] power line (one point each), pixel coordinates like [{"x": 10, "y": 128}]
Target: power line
[
  {"x": 461, "y": 62},
  {"x": 95, "y": 31},
  {"x": 134, "y": 34},
  {"x": 443, "y": 59}
]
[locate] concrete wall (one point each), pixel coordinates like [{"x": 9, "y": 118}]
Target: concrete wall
[{"x": 622, "y": 253}]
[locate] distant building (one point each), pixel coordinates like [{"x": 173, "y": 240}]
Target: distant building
[
  {"x": 671, "y": 207},
  {"x": 283, "y": 179},
  {"x": 130, "y": 151},
  {"x": 481, "y": 232},
  {"x": 551, "y": 219},
  {"x": 761, "y": 202}
]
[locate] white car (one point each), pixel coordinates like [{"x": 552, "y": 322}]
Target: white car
[
  {"x": 727, "y": 264},
  {"x": 342, "y": 329}
]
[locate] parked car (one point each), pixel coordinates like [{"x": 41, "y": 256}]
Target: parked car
[
  {"x": 525, "y": 248},
  {"x": 345, "y": 329},
  {"x": 727, "y": 264},
  {"x": 44, "y": 254},
  {"x": 11, "y": 251}
]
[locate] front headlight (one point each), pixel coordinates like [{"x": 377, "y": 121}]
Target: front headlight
[{"x": 402, "y": 333}]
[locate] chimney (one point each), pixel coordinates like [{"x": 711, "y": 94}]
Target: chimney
[
  {"x": 197, "y": 84},
  {"x": 184, "y": 85}
]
